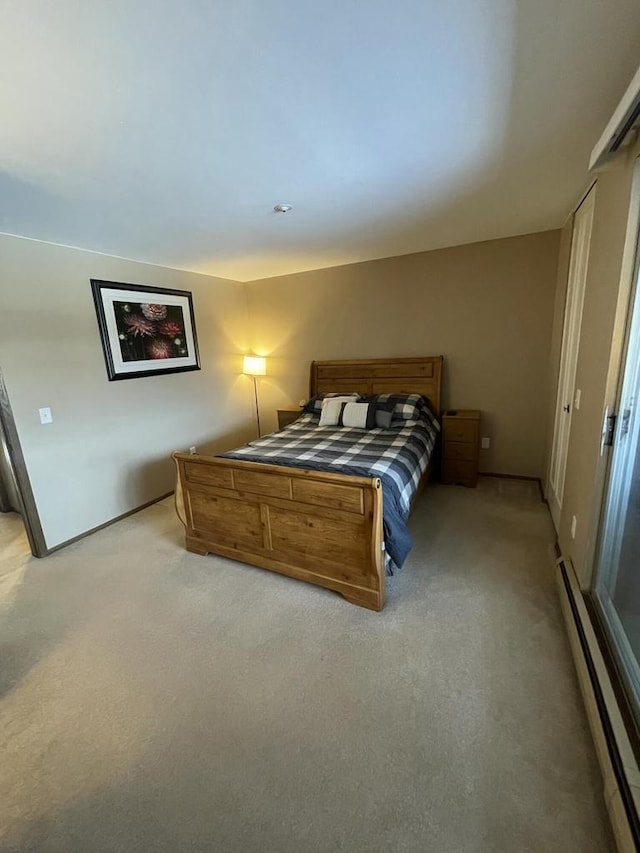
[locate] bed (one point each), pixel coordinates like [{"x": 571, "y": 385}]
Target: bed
[{"x": 309, "y": 519}]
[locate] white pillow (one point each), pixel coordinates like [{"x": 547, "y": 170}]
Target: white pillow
[
  {"x": 331, "y": 408},
  {"x": 357, "y": 415}
]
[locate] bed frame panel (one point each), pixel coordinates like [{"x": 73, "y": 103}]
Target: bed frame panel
[
  {"x": 381, "y": 376},
  {"x": 319, "y": 527}
]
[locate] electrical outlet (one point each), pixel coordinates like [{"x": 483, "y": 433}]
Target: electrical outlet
[
  {"x": 485, "y": 443},
  {"x": 192, "y": 450},
  {"x": 45, "y": 416},
  {"x": 574, "y": 523}
]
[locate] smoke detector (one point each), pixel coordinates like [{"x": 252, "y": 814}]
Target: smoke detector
[{"x": 281, "y": 208}]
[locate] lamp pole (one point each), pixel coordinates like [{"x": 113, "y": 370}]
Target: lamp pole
[
  {"x": 254, "y": 366},
  {"x": 255, "y": 392}
]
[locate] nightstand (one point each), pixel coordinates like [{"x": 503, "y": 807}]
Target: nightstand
[
  {"x": 288, "y": 415},
  {"x": 460, "y": 446}
]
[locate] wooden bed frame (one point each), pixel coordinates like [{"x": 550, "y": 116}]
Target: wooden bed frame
[{"x": 319, "y": 527}]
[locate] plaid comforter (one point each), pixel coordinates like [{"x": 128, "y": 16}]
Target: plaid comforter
[{"x": 398, "y": 455}]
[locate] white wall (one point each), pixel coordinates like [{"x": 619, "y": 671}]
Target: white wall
[{"x": 108, "y": 449}]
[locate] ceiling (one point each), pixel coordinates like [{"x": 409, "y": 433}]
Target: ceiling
[{"x": 166, "y": 130}]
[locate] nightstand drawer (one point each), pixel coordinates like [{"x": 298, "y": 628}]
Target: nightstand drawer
[
  {"x": 461, "y": 471},
  {"x": 460, "y": 450},
  {"x": 459, "y": 429}
]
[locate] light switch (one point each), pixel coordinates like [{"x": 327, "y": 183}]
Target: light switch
[
  {"x": 45, "y": 416},
  {"x": 577, "y": 399},
  {"x": 485, "y": 443}
]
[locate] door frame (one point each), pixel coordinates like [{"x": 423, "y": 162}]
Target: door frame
[
  {"x": 5, "y": 502},
  {"x": 10, "y": 446},
  {"x": 570, "y": 350},
  {"x": 621, "y": 459},
  {"x": 629, "y": 269},
  {"x": 626, "y": 433}
]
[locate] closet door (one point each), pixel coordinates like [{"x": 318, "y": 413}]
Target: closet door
[{"x": 578, "y": 264}]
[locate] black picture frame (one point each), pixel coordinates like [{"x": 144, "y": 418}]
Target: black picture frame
[{"x": 141, "y": 336}]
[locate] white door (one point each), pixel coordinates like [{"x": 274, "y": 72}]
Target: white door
[{"x": 578, "y": 265}]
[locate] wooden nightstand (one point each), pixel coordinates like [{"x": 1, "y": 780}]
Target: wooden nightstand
[
  {"x": 288, "y": 415},
  {"x": 460, "y": 446}
]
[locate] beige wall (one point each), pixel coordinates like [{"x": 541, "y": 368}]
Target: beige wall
[
  {"x": 584, "y": 471},
  {"x": 107, "y": 450},
  {"x": 487, "y": 307}
]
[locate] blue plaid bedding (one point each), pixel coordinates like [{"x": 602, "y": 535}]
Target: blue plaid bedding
[{"x": 398, "y": 455}]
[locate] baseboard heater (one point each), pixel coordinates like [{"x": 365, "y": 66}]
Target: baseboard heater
[{"x": 613, "y": 746}]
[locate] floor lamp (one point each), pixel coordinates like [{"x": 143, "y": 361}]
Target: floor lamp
[{"x": 255, "y": 365}]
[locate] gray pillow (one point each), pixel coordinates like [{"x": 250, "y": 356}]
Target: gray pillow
[{"x": 384, "y": 415}]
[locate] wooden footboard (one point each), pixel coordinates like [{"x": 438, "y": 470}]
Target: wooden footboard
[{"x": 318, "y": 527}]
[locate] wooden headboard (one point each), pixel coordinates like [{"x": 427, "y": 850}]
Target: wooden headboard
[{"x": 381, "y": 376}]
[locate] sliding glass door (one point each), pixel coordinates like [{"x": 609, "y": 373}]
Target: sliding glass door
[{"x": 617, "y": 579}]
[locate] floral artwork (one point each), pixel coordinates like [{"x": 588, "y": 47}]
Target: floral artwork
[
  {"x": 145, "y": 330},
  {"x": 150, "y": 330}
]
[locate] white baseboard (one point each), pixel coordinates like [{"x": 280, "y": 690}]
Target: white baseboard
[{"x": 613, "y": 747}]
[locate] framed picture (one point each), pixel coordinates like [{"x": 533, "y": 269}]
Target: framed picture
[{"x": 145, "y": 331}]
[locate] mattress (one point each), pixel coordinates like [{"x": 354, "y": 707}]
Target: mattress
[{"x": 398, "y": 456}]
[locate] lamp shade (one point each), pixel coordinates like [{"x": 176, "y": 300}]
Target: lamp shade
[{"x": 254, "y": 365}]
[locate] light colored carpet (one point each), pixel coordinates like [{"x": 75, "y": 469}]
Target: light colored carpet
[{"x": 154, "y": 700}]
